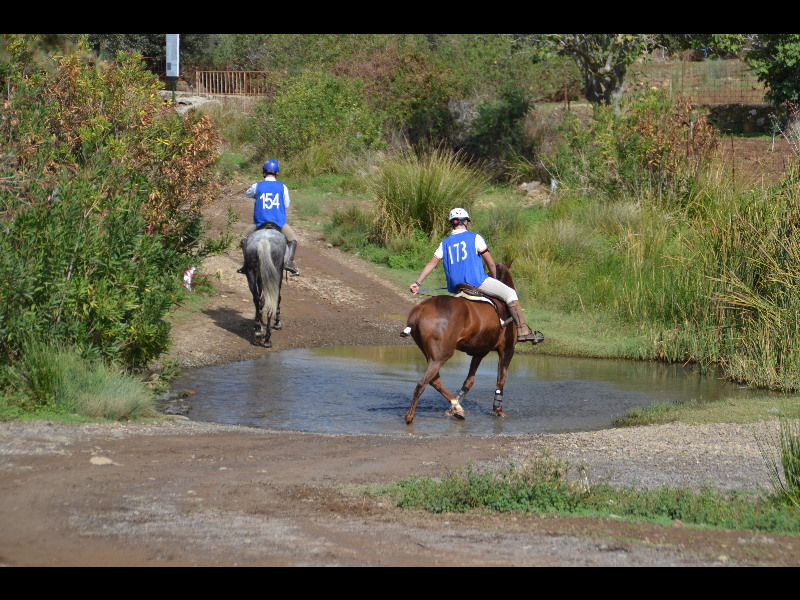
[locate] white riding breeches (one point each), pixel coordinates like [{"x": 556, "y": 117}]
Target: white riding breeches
[{"x": 498, "y": 289}]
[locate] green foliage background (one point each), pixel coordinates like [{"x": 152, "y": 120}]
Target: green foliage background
[
  {"x": 101, "y": 191},
  {"x": 102, "y": 188}
]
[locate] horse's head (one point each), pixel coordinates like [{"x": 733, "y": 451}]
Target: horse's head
[{"x": 504, "y": 273}]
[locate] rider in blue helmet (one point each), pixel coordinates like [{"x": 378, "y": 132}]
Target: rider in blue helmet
[
  {"x": 463, "y": 254},
  {"x": 271, "y": 202}
]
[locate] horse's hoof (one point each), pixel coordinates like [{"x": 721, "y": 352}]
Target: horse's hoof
[
  {"x": 458, "y": 413},
  {"x": 277, "y": 326},
  {"x": 499, "y": 412}
]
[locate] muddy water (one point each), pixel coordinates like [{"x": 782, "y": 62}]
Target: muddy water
[{"x": 368, "y": 390}]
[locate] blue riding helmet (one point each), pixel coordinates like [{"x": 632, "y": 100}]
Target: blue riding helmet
[{"x": 271, "y": 166}]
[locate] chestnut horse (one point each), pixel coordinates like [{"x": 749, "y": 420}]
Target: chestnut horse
[
  {"x": 264, "y": 254},
  {"x": 443, "y": 324}
]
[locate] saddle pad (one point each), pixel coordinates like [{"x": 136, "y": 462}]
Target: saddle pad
[{"x": 473, "y": 297}]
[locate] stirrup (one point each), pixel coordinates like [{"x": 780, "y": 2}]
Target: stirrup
[{"x": 534, "y": 336}]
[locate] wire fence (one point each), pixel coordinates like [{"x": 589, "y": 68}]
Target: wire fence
[{"x": 710, "y": 81}]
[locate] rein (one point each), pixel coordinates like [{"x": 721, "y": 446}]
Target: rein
[{"x": 431, "y": 290}]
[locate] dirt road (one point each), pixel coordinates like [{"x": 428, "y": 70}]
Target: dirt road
[{"x": 180, "y": 493}]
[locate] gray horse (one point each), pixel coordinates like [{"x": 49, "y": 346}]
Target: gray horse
[{"x": 264, "y": 255}]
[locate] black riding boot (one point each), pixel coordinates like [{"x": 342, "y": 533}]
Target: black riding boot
[
  {"x": 524, "y": 333},
  {"x": 289, "y": 266},
  {"x": 243, "y": 244}
]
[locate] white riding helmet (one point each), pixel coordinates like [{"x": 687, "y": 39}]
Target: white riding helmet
[{"x": 459, "y": 214}]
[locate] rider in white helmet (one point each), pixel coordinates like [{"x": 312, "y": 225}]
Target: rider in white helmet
[{"x": 462, "y": 252}]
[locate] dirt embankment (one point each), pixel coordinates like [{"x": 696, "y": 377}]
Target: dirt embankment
[{"x": 185, "y": 493}]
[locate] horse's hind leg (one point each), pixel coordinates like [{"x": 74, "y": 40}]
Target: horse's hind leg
[
  {"x": 455, "y": 410},
  {"x": 277, "y": 323},
  {"x": 261, "y": 332}
]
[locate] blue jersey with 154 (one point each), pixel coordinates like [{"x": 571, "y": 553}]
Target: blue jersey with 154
[{"x": 269, "y": 203}]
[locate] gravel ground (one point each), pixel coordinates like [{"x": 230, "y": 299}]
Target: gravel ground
[{"x": 183, "y": 493}]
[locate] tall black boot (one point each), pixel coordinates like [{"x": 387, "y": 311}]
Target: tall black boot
[
  {"x": 289, "y": 266},
  {"x": 524, "y": 333},
  {"x": 243, "y": 243}
]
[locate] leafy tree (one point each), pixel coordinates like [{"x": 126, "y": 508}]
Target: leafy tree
[
  {"x": 715, "y": 45},
  {"x": 603, "y": 58},
  {"x": 775, "y": 58}
]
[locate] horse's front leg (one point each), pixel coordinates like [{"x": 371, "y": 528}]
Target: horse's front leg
[
  {"x": 504, "y": 359},
  {"x": 455, "y": 402}
]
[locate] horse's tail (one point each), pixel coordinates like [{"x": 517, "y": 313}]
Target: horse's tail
[
  {"x": 270, "y": 278},
  {"x": 413, "y": 319}
]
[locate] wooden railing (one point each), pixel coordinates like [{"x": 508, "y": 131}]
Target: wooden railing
[{"x": 232, "y": 83}]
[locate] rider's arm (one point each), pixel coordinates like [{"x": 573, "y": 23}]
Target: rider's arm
[
  {"x": 487, "y": 258},
  {"x": 426, "y": 270}
]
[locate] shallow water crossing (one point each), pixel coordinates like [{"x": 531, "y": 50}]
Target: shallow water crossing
[{"x": 367, "y": 390}]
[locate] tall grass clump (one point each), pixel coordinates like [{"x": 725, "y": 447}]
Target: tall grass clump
[
  {"x": 756, "y": 255},
  {"x": 416, "y": 191},
  {"x": 782, "y": 458},
  {"x": 708, "y": 271},
  {"x": 52, "y": 378}
]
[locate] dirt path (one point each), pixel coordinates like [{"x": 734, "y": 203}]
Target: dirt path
[{"x": 185, "y": 493}]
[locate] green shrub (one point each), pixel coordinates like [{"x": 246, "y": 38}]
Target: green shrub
[
  {"x": 498, "y": 129},
  {"x": 315, "y": 108},
  {"x": 405, "y": 85},
  {"x": 651, "y": 145},
  {"x": 103, "y": 187}
]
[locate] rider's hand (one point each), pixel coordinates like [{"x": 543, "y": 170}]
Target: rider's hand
[{"x": 414, "y": 287}]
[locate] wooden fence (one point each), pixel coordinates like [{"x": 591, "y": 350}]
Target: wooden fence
[{"x": 232, "y": 83}]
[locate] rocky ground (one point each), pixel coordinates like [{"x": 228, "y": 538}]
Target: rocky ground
[{"x": 179, "y": 493}]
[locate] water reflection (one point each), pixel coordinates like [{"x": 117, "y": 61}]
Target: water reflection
[{"x": 368, "y": 389}]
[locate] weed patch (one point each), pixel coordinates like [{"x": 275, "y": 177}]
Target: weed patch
[{"x": 542, "y": 486}]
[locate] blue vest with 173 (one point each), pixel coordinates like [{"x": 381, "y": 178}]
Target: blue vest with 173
[
  {"x": 269, "y": 203},
  {"x": 461, "y": 261}
]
